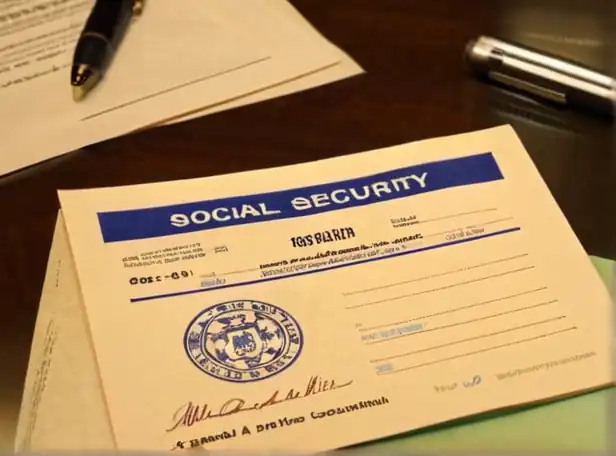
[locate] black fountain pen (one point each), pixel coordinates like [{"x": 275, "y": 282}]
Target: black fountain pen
[{"x": 98, "y": 42}]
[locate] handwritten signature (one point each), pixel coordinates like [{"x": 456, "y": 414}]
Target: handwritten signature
[{"x": 190, "y": 414}]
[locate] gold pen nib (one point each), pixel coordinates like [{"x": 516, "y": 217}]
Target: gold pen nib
[
  {"x": 78, "y": 93},
  {"x": 83, "y": 79},
  {"x": 138, "y": 7}
]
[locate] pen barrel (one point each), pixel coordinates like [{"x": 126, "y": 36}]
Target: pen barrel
[
  {"x": 541, "y": 74},
  {"x": 103, "y": 31}
]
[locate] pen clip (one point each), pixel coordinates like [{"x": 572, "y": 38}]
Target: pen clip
[
  {"x": 138, "y": 7},
  {"x": 535, "y": 89}
]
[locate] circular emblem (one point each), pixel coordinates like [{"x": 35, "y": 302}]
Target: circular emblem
[{"x": 243, "y": 341}]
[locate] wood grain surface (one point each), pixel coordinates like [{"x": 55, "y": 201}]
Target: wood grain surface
[{"x": 415, "y": 88}]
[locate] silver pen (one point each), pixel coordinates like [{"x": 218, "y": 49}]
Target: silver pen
[{"x": 542, "y": 75}]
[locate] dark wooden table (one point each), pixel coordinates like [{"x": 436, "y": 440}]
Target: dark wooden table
[{"x": 415, "y": 88}]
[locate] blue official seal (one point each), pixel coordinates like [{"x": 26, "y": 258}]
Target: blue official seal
[{"x": 243, "y": 341}]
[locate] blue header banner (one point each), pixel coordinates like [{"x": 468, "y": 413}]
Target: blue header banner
[{"x": 298, "y": 202}]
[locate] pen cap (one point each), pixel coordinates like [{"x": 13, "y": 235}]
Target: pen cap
[{"x": 540, "y": 74}]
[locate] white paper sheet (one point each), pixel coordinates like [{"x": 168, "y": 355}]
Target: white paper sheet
[
  {"x": 39, "y": 117},
  {"x": 206, "y": 63},
  {"x": 271, "y": 14}
]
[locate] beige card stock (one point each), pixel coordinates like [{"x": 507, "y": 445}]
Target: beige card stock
[
  {"x": 315, "y": 306},
  {"x": 63, "y": 405}
]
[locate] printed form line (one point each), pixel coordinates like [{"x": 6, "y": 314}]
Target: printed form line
[
  {"x": 329, "y": 268},
  {"x": 445, "y": 287},
  {"x": 433, "y": 276},
  {"x": 469, "y": 339},
  {"x": 497, "y": 347},
  {"x": 453, "y": 230},
  {"x": 450, "y": 311},
  {"x": 460, "y": 214},
  {"x": 466, "y": 322}
]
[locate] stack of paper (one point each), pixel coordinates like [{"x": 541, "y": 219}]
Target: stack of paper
[
  {"x": 312, "y": 307},
  {"x": 181, "y": 59}
]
